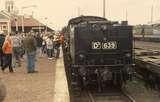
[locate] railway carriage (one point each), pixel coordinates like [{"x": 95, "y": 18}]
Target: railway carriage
[{"x": 97, "y": 50}]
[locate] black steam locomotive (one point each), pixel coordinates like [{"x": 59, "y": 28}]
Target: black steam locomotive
[{"x": 96, "y": 51}]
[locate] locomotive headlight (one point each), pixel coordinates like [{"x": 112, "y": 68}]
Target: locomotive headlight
[{"x": 128, "y": 55}]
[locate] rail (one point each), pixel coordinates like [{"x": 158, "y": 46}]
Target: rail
[
  {"x": 121, "y": 95},
  {"x": 127, "y": 95}
]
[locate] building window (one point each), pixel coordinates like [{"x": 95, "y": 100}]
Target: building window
[{"x": 4, "y": 27}]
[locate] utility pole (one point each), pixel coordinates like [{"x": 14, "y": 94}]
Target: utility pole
[
  {"x": 152, "y": 18},
  {"x": 16, "y": 25},
  {"x": 25, "y": 7},
  {"x": 152, "y": 14},
  {"x": 104, "y": 8},
  {"x": 22, "y": 18}
]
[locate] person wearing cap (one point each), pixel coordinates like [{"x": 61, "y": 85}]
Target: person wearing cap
[{"x": 2, "y": 39}]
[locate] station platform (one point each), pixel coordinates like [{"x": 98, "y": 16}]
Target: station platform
[{"x": 48, "y": 85}]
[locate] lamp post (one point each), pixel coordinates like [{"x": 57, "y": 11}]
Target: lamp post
[
  {"x": 39, "y": 27},
  {"x": 46, "y": 23},
  {"x": 43, "y": 25},
  {"x": 25, "y": 7},
  {"x": 16, "y": 25},
  {"x": 40, "y": 24}
]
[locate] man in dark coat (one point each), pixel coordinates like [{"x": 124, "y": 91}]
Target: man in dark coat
[
  {"x": 30, "y": 47},
  {"x": 2, "y": 39}
]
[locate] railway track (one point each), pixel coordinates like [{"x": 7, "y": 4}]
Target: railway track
[
  {"x": 109, "y": 95},
  {"x": 148, "y": 63}
]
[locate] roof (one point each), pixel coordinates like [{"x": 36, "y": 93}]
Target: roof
[
  {"x": 86, "y": 18},
  {"x": 4, "y": 15},
  {"x": 28, "y": 22}
]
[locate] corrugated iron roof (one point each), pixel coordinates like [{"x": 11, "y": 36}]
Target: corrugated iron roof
[{"x": 28, "y": 22}]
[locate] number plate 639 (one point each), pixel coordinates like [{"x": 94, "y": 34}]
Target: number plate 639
[{"x": 104, "y": 45}]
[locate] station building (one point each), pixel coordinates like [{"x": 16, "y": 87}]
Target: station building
[
  {"x": 5, "y": 24},
  {"x": 30, "y": 24},
  {"x": 11, "y": 21}
]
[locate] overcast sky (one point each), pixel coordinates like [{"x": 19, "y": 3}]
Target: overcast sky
[{"x": 59, "y": 12}]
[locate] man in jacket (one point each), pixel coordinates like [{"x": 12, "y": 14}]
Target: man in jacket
[
  {"x": 2, "y": 39},
  {"x": 30, "y": 48}
]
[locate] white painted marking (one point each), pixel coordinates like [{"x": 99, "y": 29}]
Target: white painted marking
[{"x": 61, "y": 93}]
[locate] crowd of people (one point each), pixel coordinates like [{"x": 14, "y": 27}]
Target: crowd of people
[{"x": 15, "y": 46}]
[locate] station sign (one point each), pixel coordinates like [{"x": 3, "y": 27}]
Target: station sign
[{"x": 38, "y": 27}]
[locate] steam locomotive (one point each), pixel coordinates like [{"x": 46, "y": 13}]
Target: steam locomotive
[{"x": 97, "y": 50}]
